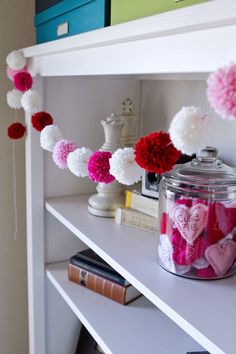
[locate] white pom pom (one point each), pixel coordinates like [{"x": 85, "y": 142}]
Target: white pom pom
[
  {"x": 16, "y": 60},
  {"x": 31, "y": 102},
  {"x": 14, "y": 99},
  {"x": 188, "y": 130},
  {"x": 124, "y": 167},
  {"x": 49, "y": 136},
  {"x": 77, "y": 161}
]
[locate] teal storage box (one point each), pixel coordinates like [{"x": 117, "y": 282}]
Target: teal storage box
[{"x": 70, "y": 17}]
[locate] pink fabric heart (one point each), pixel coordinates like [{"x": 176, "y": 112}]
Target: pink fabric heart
[
  {"x": 183, "y": 252},
  {"x": 190, "y": 221},
  {"x": 221, "y": 257}
]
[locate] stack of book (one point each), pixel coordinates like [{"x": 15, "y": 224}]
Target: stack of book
[
  {"x": 139, "y": 211},
  {"x": 88, "y": 269}
]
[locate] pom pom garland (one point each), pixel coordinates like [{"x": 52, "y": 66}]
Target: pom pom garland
[
  {"x": 16, "y": 131},
  {"x": 16, "y": 60},
  {"x": 188, "y": 130},
  {"x": 124, "y": 167},
  {"x": 11, "y": 73},
  {"x": 40, "y": 120},
  {"x": 61, "y": 152},
  {"x": 49, "y": 136},
  {"x": 156, "y": 153},
  {"x": 221, "y": 91},
  {"x": 99, "y": 167},
  {"x": 77, "y": 161},
  {"x": 31, "y": 102},
  {"x": 23, "y": 81},
  {"x": 14, "y": 99}
]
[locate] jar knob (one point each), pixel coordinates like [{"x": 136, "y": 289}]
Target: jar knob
[
  {"x": 208, "y": 153},
  {"x": 207, "y": 156}
]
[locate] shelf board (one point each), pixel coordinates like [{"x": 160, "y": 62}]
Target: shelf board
[
  {"x": 184, "y": 41},
  {"x": 136, "y": 328},
  {"x": 204, "y": 309}
]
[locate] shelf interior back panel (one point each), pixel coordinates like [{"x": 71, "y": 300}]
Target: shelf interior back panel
[
  {"x": 136, "y": 328},
  {"x": 202, "y": 308}
]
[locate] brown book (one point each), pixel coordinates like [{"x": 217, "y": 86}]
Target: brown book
[{"x": 105, "y": 287}]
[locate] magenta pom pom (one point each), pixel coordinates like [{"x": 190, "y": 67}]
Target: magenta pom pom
[
  {"x": 61, "y": 152},
  {"x": 11, "y": 73},
  {"x": 23, "y": 81},
  {"x": 99, "y": 167},
  {"x": 221, "y": 91}
]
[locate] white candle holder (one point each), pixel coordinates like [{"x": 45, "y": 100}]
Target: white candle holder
[{"x": 110, "y": 196}]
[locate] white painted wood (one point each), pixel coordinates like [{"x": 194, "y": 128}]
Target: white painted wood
[
  {"x": 137, "y": 328},
  {"x": 205, "y": 310},
  {"x": 35, "y": 237},
  {"x": 197, "y": 51},
  {"x": 62, "y": 325}
]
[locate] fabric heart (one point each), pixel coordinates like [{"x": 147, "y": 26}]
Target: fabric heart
[
  {"x": 183, "y": 252},
  {"x": 221, "y": 221},
  {"x": 221, "y": 257},
  {"x": 190, "y": 221}
]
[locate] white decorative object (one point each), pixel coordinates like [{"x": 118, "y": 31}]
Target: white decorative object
[
  {"x": 110, "y": 196},
  {"x": 31, "y": 102},
  {"x": 77, "y": 161},
  {"x": 124, "y": 167},
  {"x": 129, "y": 131},
  {"x": 188, "y": 130},
  {"x": 16, "y": 60},
  {"x": 14, "y": 99},
  {"x": 49, "y": 136}
]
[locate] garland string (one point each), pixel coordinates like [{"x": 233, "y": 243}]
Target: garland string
[{"x": 14, "y": 186}]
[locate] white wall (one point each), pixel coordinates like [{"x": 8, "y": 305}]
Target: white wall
[{"x": 16, "y": 31}]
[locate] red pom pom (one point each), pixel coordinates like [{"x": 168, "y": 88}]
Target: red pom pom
[
  {"x": 16, "y": 131},
  {"x": 40, "y": 120},
  {"x": 23, "y": 81},
  {"x": 156, "y": 153}
]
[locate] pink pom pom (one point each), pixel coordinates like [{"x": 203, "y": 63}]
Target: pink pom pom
[
  {"x": 11, "y": 73},
  {"x": 99, "y": 167},
  {"x": 61, "y": 152},
  {"x": 221, "y": 91},
  {"x": 23, "y": 81}
]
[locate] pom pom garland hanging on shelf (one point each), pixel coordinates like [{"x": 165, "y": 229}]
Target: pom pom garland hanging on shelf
[
  {"x": 156, "y": 152},
  {"x": 221, "y": 91},
  {"x": 23, "y": 81},
  {"x": 16, "y": 130},
  {"x": 77, "y": 161},
  {"x": 124, "y": 167},
  {"x": 40, "y": 120},
  {"x": 61, "y": 151},
  {"x": 187, "y": 130}
]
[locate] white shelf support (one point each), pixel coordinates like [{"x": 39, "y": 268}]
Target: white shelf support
[{"x": 35, "y": 237}]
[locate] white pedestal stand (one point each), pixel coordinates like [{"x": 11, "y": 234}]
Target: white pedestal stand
[{"x": 110, "y": 196}]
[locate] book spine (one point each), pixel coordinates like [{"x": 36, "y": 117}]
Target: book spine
[
  {"x": 135, "y": 219},
  {"x": 99, "y": 272},
  {"x": 96, "y": 283},
  {"x": 143, "y": 204}
]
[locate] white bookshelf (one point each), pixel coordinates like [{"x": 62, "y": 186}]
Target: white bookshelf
[
  {"x": 133, "y": 254},
  {"x": 161, "y": 62},
  {"x": 118, "y": 328}
]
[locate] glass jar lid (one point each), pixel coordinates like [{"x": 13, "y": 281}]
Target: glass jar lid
[{"x": 205, "y": 169}]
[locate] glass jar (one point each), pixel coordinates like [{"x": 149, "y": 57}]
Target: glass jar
[{"x": 198, "y": 218}]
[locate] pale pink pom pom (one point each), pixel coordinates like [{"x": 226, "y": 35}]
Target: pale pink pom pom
[
  {"x": 99, "y": 167},
  {"x": 221, "y": 91},
  {"x": 61, "y": 152},
  {"x": 11, "y": 73}
]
